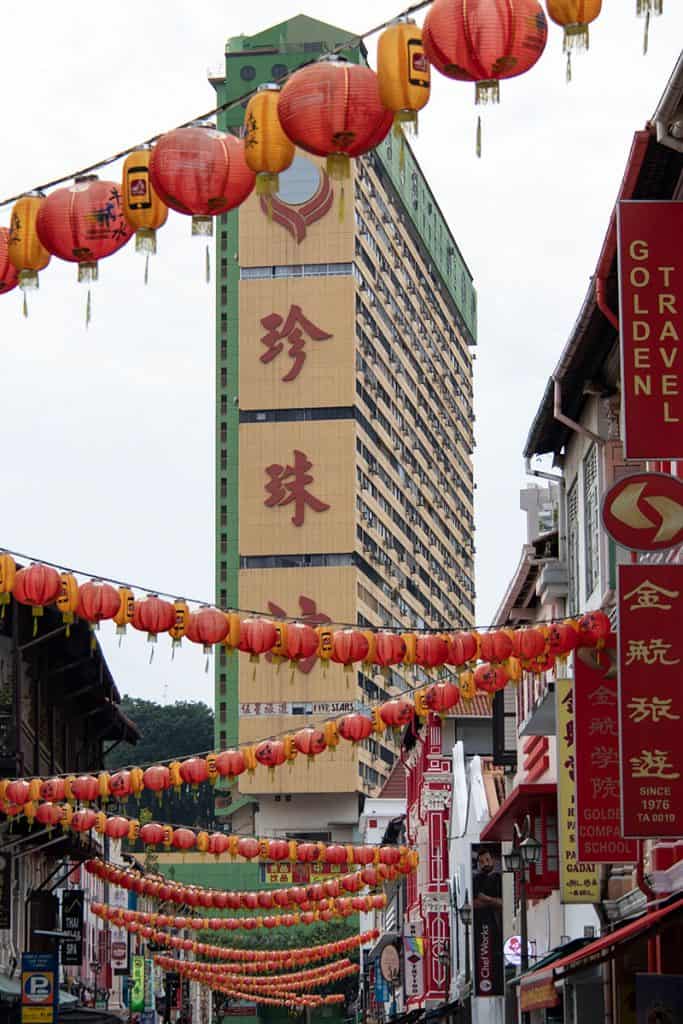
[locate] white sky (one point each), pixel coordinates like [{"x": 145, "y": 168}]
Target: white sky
[{"x": 107, "y": 435}]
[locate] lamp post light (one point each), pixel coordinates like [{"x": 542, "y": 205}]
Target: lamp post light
[
  {"x": 465, "y": 915},
  {"x": 527, "y": 852}
]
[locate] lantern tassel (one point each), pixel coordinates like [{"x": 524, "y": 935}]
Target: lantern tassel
[
  {"x": 569, "y": 66},
  {"x": 478, "y": 144},
  {"x": 208, "y": 264},
  {"x": 147, "y": 268},
  {"x": 342, "y": 203},
  {"x": 646, "y": 34},
  {"x": 24, "y": 307},
  {"x": 88, "y": 310}
]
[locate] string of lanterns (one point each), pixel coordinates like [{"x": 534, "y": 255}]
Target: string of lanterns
[
  {"x": 273, "y": 959},
  {"x": 168, "y": 963},
  {"x": 326, "y": 910},
  {"x": 331, "y": 108},
  {"x": 166, "y": 891}
]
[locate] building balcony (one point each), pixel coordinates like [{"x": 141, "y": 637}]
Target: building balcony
[{"x": 553, "y": 582}]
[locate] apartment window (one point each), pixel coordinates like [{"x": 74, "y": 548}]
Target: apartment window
[
  {"x": 224, "y": 516},
  {"x": 573, "y": 546},
  {"x": 224, "y": 295},
  {"x": 592, "y": 523},
  {"x": 224, "y": 349},
  {"x": 222, "y": 685},
  {"x": 223, "y": 713},
  {"x": 224, "y": 433},
  {"x": 223, "y": 738},
  {"x": 224, "y": 488},
  {"x": 224, "y": 377},
  {"x": 224, "y": 544}
]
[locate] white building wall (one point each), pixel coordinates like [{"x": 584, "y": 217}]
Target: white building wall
[{"x": 303, "y": 811}]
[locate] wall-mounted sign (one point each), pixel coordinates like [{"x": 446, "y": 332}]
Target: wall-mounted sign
[
  {"x": 413, "y": 964},
  {"x": 651, "y": 327},
  {"x": 644, "y": 511},
  {"x": 72, "y": 922},
  {"x": 487, "y": 920},
  {"x": 390, "y": 964},
  {"x": 650, "y": 699},
  {"x": 39, "y": 988}
]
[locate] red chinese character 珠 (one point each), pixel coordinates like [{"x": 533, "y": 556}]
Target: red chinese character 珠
[{"x": 288, "y": 485}]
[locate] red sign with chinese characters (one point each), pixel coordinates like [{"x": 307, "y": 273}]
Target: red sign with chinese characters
[
  {"x": 651, "y": 699},
  {"x": 644, "y": 511},
  {"x": 651, "y": 327},
  {"x": 596, "y": 744}
]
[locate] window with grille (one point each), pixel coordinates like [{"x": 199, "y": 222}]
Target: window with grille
[
  {"x": 573, "y": 546},
  {"x": 591, "y": 514}
]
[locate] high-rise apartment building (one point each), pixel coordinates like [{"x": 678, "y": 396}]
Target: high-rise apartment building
[{"x": 344, "y": 437}]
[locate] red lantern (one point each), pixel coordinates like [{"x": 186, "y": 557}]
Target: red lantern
[
  {"x": 83, "y": 821},
  {"x": 310, "y": 741},
  {"x": 120, "y": 785},
  {"x": 278, "y": 849},
  {"x": 194, "y": 771},
  {"x": 117, "y": 828},
  {"x": 248, "y": 848},
  {"x": 9, "y": 277},
  {"x": 594, "y": 627},
  {"x": 18, "y": 791},
  {"x": 257, "y": 636},
  {"x": 83, "y": 223},
  {"x": 363, "y": 855},
  {"x": 302, "y": 641},
  {"x": 464, "y": 648},
  {"x": 157, "y": 778},
  {"x": 390, "y": 649},
  {"x": 200, "y": 172},
  {"x": 153, "y": 616},
  {"x": 53, "y": 789},
  {"x": 396, "y": 713},
  {"x": 349, "y": 646},
  {"x": 332, "y": 108},
  {"x": 85, "y": 788},
  {"x": 152, "y": 834},
  {"x": 183, "y": 839},
  {"x": 355, "y": 727},
  {"x": 495, "y": 646},
  {"x": 208, "y": 626},
  {"x": 97, "y": 601},
  {"x": 221, "y": 900},
  {"x": 48, "y": 814},
  {"x": 562, "y": 638},
  {"x": 37, "y": 586},
  {"x": 270, "y": 753},
  {"x": 335, "y": 855},
  {"x": 528, "y": 643},
  {"x": 389, "y": 855},
  {"x": 432, "y": 651},
  {"x": 230, "y": 763},
  {"x": 218, "y": 844},
  {"x": 306, "y": 853},
  {"x": 490, "y": 678},
  {"x": 482, "y": 41},
  {"x": 441, "y": 697}
]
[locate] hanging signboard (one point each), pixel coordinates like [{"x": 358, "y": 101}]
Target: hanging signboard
[
  {"x": 579, "y": 880},
  {"x": 413, "y": 963},
  {"x": 651, "y": 327},
  {"x": 487, "y": 920},
  {"x": 72, "y": 922},
  {"x": 651, "y": 699},
  {"x": 137, "y": 993},
  {"x": 596, "y": 736}
]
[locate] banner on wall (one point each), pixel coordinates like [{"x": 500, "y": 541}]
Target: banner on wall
[
  {"x": 579, "y": 880},
  {"x": 487, "y": 919},
  {"x": 413, "y": 963},
  {"x": 650, "y": 699},
  {"x": 137, "y": 992},
  {"x": 596, "y": 733}
]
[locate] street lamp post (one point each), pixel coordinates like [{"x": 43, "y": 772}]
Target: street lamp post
[
  {"x": 465, "y": 915},
  {"x": 526, "y": 852}
]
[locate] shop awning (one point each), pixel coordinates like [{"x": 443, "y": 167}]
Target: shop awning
[
  {"x": 524, "y": 799},
  {"x": 538, "y": 987}
]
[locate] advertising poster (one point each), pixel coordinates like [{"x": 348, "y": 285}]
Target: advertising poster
[
  {"x": 487, "y": 919},
  {"x": 72, "y": 922},
  {"x": 596, "y": 732},
  {"x": 650, "y": 699},
  {"x": 413, "y": 964},
  {"x": 651, "y": 324},
  {"x": 137, "y": 992},
  {"x": 579, "y": 880}
]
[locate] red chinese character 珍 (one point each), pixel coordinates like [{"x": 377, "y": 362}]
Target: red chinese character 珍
[{"x": 291, "y": 329}]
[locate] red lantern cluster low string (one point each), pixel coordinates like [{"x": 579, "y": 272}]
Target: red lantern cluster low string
[{"x": 166, "y": 891}]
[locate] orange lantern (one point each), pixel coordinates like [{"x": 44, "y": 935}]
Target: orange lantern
[
  {"x": 9, "y": 278},
  {"x": 179, "y": 627},
  {"x": 67, "y": 602},
  {"x": 574, "y": 16},
  {"x": 26, "y": 252},
  {"x": 126, "y": 608},
  {"x": 8, "y": 573},
  {"x": 333, "y": 109},
  {"x": 267, "y": 149},
  {"x": 403, "y": 71},
  {"x": 143, "y": 209}
]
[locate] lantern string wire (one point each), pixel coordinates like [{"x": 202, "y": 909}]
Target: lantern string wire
[
  {"x": 346, "y": 44},
  {"x": 444, "y": 627}
]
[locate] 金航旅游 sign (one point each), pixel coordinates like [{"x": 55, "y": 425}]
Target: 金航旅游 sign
[
  {"x": 650, "y": 699},
  {"x": 651, "y": 327},
  {"x": 644, "y": 511}
]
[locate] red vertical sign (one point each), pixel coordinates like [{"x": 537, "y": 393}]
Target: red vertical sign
[
  {"x": 596, "y": 743},
  {"x": 651, "y": 699},
  {"x": 651, "y": 325}
]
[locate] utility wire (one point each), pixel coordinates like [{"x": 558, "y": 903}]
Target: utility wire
[{"x": 346, "y": 44}]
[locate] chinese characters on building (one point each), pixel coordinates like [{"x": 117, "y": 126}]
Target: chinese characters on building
[
  {"x": 288, "y": 485},
  {"x": 292, "y": 330},
  {"x": 650, "y": 704},
  {"x": 599, "y": 831},
  {"x": 311, "y": 616}
]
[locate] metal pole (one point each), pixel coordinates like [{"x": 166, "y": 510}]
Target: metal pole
[{"x": 524, "y": 936}]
